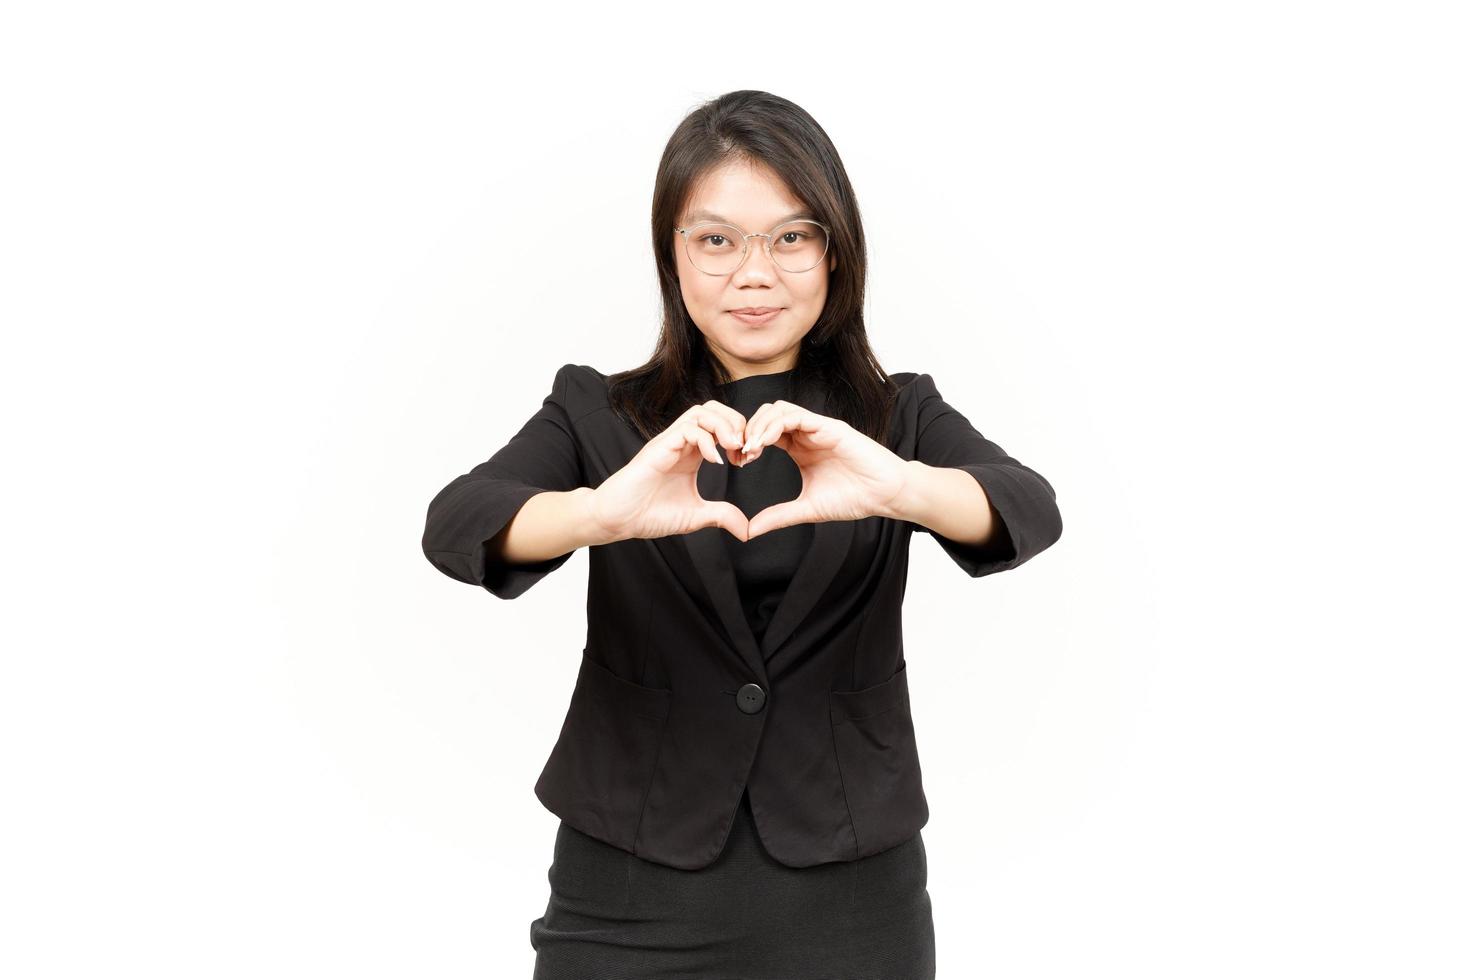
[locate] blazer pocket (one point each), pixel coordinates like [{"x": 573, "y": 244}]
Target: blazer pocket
[
  {"x": 603, "y": 762},
  {"x": 878, "y": 756}
]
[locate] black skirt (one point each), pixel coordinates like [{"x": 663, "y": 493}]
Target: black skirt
[{"x": 747, "y": 916}]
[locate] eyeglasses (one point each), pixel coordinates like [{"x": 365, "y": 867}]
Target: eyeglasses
[{"x": 719, "y": 249}]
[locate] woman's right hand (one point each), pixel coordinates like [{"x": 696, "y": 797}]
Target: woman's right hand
[{"x": 655, "y": 494}]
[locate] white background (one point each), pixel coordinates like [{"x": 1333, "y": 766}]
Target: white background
[{"x": 274, "y": 273}]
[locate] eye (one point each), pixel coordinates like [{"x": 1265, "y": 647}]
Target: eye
[{"x": 793, "y": 235}]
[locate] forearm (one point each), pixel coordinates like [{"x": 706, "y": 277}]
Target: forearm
[
  {"x": 548, "y": 525},
  {"x": 946, "y": 500}
]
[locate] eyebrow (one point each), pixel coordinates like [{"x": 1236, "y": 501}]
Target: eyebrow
[{"x": 711, "y": 216}]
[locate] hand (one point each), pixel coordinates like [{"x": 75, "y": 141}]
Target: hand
[
  {"x": 655, "y": 494},
  {"x": 845, "y": 476}
]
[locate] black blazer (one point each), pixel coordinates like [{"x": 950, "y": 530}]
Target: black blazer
[{"x": 676, "y": 710}]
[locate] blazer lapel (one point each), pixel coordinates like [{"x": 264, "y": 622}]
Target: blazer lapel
[
  {"x": 830, "y": 541},
  {"x": 711, "y": 559}
]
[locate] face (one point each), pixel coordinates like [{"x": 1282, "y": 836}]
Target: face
[{"x": 753, "y": 198}]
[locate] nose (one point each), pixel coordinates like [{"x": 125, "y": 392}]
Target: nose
[{"x": 758, "y": 265}]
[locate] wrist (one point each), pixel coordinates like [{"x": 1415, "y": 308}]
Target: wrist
[
  {"x": 593, "y": 528},
  {"x": 588, "y": 528},
  {"x": 910, "y": 502}
]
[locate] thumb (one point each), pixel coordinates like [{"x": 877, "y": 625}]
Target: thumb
[
  {"x": 722, "y": 513},
  {"x": 777, "y": 516}
]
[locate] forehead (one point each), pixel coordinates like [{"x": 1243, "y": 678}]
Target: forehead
[{"x": 746, "y": 194}]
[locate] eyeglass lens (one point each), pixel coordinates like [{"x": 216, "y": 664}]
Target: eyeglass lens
[{"x": 795, "y": 247}]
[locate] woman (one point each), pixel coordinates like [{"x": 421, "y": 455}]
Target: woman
[{"x": 737, "y": 775}]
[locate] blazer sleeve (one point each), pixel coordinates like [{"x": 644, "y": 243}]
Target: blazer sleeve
[
  {"x": 1024, "y": 499},
  {"x": 475, "y": 506}
]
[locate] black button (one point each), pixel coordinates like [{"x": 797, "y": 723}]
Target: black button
[{"x": 750, "y": 698}]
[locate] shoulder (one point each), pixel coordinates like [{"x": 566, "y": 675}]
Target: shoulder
[
  {"x": 580, "y": 376},
  {"x": 913, "y": 384},
  {"x": 580, "y": 389},
  {"x": 918, "y": 402}
]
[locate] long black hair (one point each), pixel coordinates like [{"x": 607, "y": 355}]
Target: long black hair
[{"x": 761, "y": 128}]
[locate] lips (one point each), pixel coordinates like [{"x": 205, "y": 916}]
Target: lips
[{"x": 756, "y": 316}]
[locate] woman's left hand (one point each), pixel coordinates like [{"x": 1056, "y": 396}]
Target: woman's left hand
[{"x": 845, "y": 475}]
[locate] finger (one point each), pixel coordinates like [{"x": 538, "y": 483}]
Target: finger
[
  {"x": 670, "y": 446},
  {"x": 752, "y": 445},
  {"x": 727, "y": 424},
  {"x": 722, "y": 420},
  {"x": 706, "y": 443},
  {"x": 820, "y": 430},
  {"x": 758, "y": 421},
  {"x": 677, "y": 440},
  {"x": 776, "y": 422},
  {"x": 775, "y": 431},
  {"x": 728, "y": 411},
  {"x": 722, "y": 513},
  {"x": 777, "y": 516},
  {"x": 733, "y": 438}
]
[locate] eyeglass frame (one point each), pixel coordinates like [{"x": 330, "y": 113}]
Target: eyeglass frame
[{"x": 745, "y": 244}]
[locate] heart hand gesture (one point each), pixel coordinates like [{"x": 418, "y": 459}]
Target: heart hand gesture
[
  {"x": 655, "y": 494},
  {"x": 845, "y": 475}
]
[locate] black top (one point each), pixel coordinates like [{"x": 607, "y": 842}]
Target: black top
[{"x": 765, "y": 564}]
